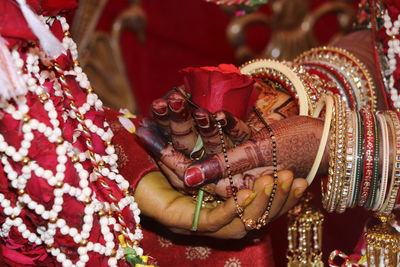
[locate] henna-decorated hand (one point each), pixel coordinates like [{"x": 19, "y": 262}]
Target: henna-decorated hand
[
  {"x": 176, "y": 210},
  {"x": 297, "y": 141},
  {"x": 172, "y": 114}
]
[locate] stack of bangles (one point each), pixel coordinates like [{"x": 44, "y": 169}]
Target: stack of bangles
[{"x": 362, "y": 170}]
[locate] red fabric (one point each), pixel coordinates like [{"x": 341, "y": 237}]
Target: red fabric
[
  {"x": 180, "y": 250},
  {"x": 13, "y": 25}
]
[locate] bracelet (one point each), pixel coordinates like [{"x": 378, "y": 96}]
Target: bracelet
[
  {"x": 340, "y": 151},
  {"x": 353, "y": 182},
  {"x": 351, "y": 67},
  {"x": 327, "y": 190},
  {"x": 342, "y": 87},
  {"x": 375, "y": 176},
  {"x": 360, "y": 157},
  {"x": 336, "y": 162},
  {"x": 385, "y": 161},
  {"x": 283, "y": 74},
  {"x": 390, "y": 200},
  {"x": 368, "y": 160},
  {"x": 327, "y": 101},
  {"x": 349, "y": 164}
]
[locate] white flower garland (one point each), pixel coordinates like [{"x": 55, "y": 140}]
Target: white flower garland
[
  {"x": 392, "y": 30},
  {"x": 34, "y": 79}
]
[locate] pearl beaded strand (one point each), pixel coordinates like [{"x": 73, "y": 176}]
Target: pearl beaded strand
[
  {"x": 393, "y": 52},
  {"x": 35, "y": 79}
]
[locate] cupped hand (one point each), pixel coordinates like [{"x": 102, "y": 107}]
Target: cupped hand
[
  {"x": 179, "y": 124},
  {"x": 176, "y": 210}
]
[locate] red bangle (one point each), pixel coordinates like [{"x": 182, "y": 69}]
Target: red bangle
[
  {"x": 341, "y": 81},
  {"x": 368, "y": 160}
]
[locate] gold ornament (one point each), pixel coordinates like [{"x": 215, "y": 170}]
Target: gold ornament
[
  {"x": 383, "y": 244},
  {"x": 305, "y": 235}
]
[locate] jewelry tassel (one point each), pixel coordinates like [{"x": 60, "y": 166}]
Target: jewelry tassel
[
  {"x": 383, "y": 244},
  {"x": 12, "y": 84},
  {"x": 305, "y": 235},
  {"x": 48, "y": 42}
]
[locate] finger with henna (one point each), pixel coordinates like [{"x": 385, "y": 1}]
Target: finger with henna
[
  {"x": 208, "y": 130},
  {"x": 236, "y": 129},
  {"x": 184, "y": 136},
  {"x": 162, "y": 151},
  {"x": 297, "y": 140},
  {"x": 159, "y": 110}
]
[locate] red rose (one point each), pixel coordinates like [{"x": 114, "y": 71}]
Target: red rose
[{"x": 222, "y": 87}]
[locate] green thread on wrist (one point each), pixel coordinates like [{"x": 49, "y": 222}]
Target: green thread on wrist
[{"x": 197, "y": 210}]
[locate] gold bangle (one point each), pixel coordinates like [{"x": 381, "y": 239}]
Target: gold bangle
[
  {"x": 390, "y": 200},
  {"x": 349, "y": 162},
  {"x": 385, "y": 161},
  {"x": 330, "y": 198},
  {"x": 351, "y": 67},
  {"x": 352, "y": 196}
]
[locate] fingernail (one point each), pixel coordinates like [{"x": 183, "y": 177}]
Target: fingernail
[
  {"x": 151, "y": 140},
  {"x": 220, "y": 118},
  {"x": 194, "y": 176},
  {"x": 249, "y": 199},
  {"x": 175, "y": 104},
  {"x": 202, "y": 120},
  {"x": 160, "y": 108},
  {"x": 298, "y": 192},
  {"x": 268, "y": 189}
]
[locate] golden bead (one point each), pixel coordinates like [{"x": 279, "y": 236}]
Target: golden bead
[
  {"x": 50, "y": 246},
  {"x": 53, "y": 220},
  {"x": 67, "y": 34},
  {"x": 113, "y": 253},
  {"x": 101, "y": 163},
  {"x": 59, "y": 184},
  {"x": 90, "y": 89},
  {"x": 74, "y": 159},
  {"x": 76, "y": 63},
  {"x": 84, "y": 242},
  {"x": 250, "y": 224},
  {"x": 80, "y": 116},
  {"x": 25, "y": 161},
  {"x": 43, "y": 98},
  {"x": 88, "y": 200},
  {"x": 58, "y": 68},
  {"x": 109, "y": 213},
  {"x": 60, "y": 140},
  {"x": 101, "y": 213},
  {"x": 21, "y": 192},
  {"x": 13, "y": 217},
  {"x": 108, "y": 142},
  {"x": 26, "y": 118}
]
